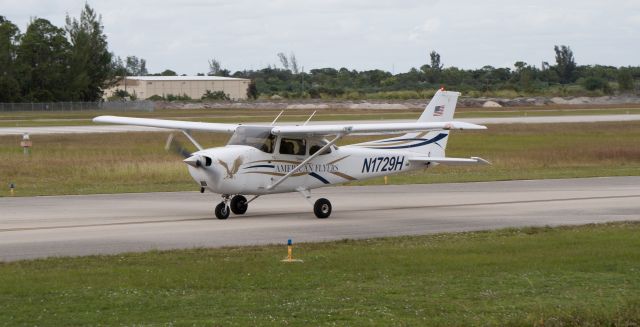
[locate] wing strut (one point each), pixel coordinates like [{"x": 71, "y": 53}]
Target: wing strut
[
  {"x": 275, "y": 120},
  {"x": 311, "y": 157},
  {"x": 188, "y": 135},
  {"x": 310, "y": 118}
]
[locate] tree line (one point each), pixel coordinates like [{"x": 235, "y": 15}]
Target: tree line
[
  {"x": 563, "y": 77},
  {"x": 73, "y": 63},
  {"x": 49, "y": 63}
]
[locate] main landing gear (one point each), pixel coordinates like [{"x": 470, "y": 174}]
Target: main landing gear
[
  {"x": 322, "y": 208},
  {"x": 238, "y": 205}
]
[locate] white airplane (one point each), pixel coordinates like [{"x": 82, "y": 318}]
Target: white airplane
[{"x": 261, "y": 160}]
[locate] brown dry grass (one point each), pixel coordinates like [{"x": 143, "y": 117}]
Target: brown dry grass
[{"x": 137, "y": 162}]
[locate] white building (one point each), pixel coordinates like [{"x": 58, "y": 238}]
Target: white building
[{"x": 194, "y": 86}]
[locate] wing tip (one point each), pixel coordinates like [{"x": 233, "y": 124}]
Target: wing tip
[
  {"x": 481, "y": 161},
  {"x": 103, "y": 119}
]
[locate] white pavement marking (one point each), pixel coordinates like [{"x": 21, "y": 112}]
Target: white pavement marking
[
  {"x": 35, "y": 227},
  {"x": 500, "y": 120}
]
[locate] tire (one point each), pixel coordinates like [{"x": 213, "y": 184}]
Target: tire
[
  {"x": 222, "y": 211},
  {"x": 322, "y": 208},
  {"x": 239, "y": 205}
]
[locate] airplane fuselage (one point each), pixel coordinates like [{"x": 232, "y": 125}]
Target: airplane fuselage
[{"x": 238, "y": 169}]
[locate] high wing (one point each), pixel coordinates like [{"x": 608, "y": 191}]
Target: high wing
[
  {"x": 450, "y": 161},
  {"x": 378, "y": 128},
  {"x": 307, "y": 130},
  {"x": 170, "y": 124}
]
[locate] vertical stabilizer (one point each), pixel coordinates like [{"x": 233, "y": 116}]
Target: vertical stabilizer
[{"x": 441, "y": 107}]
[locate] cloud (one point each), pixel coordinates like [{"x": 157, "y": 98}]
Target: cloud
[{"x": 360, "y": 34}]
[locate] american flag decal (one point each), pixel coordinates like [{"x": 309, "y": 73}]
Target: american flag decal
[{"x": 438, "y": 111}]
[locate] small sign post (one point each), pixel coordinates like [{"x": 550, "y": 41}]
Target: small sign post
[
  {"x": 26, "y": 144},
  {"x": 290, "y": 253}
]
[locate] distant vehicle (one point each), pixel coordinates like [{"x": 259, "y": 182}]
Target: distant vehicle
[{"x": 260, "y": 160}]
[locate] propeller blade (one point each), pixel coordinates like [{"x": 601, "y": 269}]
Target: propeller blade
[{"x": 174, "y": 146}]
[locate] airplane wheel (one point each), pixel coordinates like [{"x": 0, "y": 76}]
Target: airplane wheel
[
  {"x": 322, "y": 208},
  {"x": 239, "y": 205},
  {"x": 222, "y": 211}
]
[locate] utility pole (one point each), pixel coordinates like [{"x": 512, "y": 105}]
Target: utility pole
[{"x": 302, "y": 80}]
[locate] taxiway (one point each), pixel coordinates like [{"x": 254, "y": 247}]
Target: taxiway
[{"x": 36, "y": 227}]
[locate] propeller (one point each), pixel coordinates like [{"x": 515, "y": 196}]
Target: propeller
[
  {"x": 175, "y": 146},
  {"x": 190, "y": 159}
]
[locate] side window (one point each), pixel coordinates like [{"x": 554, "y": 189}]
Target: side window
[
  {"x": 315, "y": 146},
  {"x": 293, "y": 146}
]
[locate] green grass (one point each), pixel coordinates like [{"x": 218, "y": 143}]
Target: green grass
[
  {"x": 576, "y": 276},
  {"x": 137, "y": 162}
]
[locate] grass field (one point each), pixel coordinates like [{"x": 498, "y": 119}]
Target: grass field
[
  {"x": 567, "y": 276},
  {"x": 30, "y": 119},
  {"x": 137, "y": 162}
]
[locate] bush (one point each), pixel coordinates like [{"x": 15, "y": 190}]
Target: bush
[
  {"x": 155, "y": 97},
  {"x": 314, "y": 93},
  {"x": 625, "y": 80},
  {"x": 121, "y": 94},
  {"x": 184, "y": 97},
  {"x": 217, "y": 95},
  {"x": 252, "y": 90},
  {"x": 593, "y": 83}
]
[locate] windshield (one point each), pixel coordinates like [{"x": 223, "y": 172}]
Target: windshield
[{"x": 257, "y": 137}]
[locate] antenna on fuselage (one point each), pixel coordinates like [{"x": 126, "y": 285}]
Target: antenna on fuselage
[
  {"x": 274, "y": 121},
  {"x": 308, "y": 119}
]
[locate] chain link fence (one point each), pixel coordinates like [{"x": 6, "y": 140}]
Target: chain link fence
[{"x": 123, "y": 106}]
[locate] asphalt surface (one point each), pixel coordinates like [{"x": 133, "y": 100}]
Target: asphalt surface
[
  {"x": 500, "y": 120},
  {"x": 36, "y": 227}
]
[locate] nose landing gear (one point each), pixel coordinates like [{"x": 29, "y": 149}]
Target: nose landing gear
[
  {"x": 222, "y": 210},
  {"x": 238, "y": 205}
]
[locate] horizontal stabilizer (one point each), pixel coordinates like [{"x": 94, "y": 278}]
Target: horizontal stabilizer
[{"x": 450, "y": 161}]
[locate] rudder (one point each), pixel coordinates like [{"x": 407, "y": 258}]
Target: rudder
[{"x": 441, "y": 107}]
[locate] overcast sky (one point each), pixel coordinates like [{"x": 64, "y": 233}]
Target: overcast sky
[{"x": 357, "y": 34}]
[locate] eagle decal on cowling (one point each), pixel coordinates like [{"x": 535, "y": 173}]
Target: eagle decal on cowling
[{"x": 236, "y": 166}]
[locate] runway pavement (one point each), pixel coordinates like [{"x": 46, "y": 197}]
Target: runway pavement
[
  {"x": 498, "y": 120},
  {"x": 35, "y": 227}
]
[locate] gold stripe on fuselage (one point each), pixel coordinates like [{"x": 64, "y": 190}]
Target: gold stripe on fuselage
[{"x": 345, "y": 176}]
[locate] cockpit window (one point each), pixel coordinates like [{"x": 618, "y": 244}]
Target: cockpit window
[
  {"x": 293, "y": 146},
  {"x": 257, "y": 137},
  {"x": 316, "y": 145}
]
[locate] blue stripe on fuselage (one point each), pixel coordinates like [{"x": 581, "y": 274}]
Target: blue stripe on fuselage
[
  {"x": 319, "y": 177},
  {"x": 433, "y": 140},
  {"x": 261, "y": 166}
]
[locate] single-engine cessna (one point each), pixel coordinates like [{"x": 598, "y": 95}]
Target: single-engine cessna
[{"x": 261, "y": 159}]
